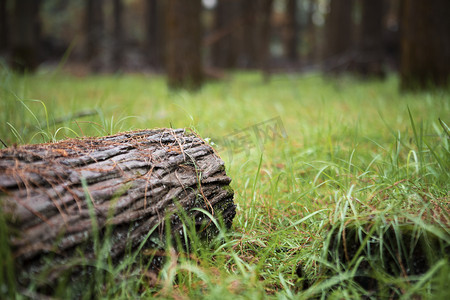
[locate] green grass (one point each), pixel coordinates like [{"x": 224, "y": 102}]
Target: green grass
[{"x": 356, "y": 153}]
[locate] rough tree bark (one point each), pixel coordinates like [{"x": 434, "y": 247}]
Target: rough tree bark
[
  {"x": 51, "y": 193},
  {"x": 183, "y": 45},
  {"x": 425, "y": 44}
]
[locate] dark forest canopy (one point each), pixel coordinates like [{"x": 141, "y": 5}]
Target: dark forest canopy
[{"x": 364, "y": 37}]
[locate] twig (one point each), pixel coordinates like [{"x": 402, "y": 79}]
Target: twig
[
  {"x": 80, "y": 114},
  {"x": 4, "y": 144}
]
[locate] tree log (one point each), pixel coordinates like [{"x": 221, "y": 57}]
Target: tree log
[{"x": 56, "y": 196}]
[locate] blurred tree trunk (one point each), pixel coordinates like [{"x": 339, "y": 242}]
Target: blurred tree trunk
[
  {"x": 391, "y": 33},
  {"x": 94, "y": 33},
  {"x": 425, "y": 44},
  {"x": 25, "y": 38},
  {"x": 339, "y": 27},
  {"x": 228, "y": 21},
  {"x": 311, "y": 32},
  {"x": 183, "y": 47},
  {"x": 291, "y": 31},
  {"x": 250, "y": 40},
  {"x": 256, "y": 34},
  {"x": 155, "y": 33},
  {"x": 370, "y": 54},
  {"x": 265, "y": 22},
  {"x": 117, "y": 56},
  {"x": 3, "y": 27}
]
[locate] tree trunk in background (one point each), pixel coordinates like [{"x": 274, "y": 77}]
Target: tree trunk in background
[
  {"x": 183, "y": 47},
  {"x": 3, "y": 27},
  {"x": 311, "y": 32},
  {"x": 25, "y": 37},
  {"x": 94, "y": 34},
  {"x": 250, "y": 38},
  {"x": 265, "y": 24},
  {"x": 256, "y": 33},
  {"x": 155, "y": 33},
  {"x": 339, "y": 35},
  {"x": 117, "y": 56},
  {"x": 391, "y": 33},
  {"x": 228, "y": 23},
  {"x": 425, "y": 44},
  {"x": 292, "y": 31},
  {"x": 370, "y": 53}
]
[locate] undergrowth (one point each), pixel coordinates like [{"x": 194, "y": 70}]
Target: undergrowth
[{"x": 357, "y": 161}]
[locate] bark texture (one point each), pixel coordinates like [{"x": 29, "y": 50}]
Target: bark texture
[{"x": 51, "y": 194}]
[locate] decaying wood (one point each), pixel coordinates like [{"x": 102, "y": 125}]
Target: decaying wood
[{"x": 51, "y": 193}]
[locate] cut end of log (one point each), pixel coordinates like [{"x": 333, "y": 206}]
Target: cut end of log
[{"x": 57, "y": 196}]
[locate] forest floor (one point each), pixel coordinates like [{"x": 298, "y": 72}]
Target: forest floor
[{"x": 324, "y": 171}]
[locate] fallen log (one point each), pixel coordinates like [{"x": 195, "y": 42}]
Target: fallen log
[{"x": 55, "y": 196}]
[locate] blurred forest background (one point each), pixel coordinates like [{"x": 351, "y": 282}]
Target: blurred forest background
[{"x": 194, "y": 40}]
